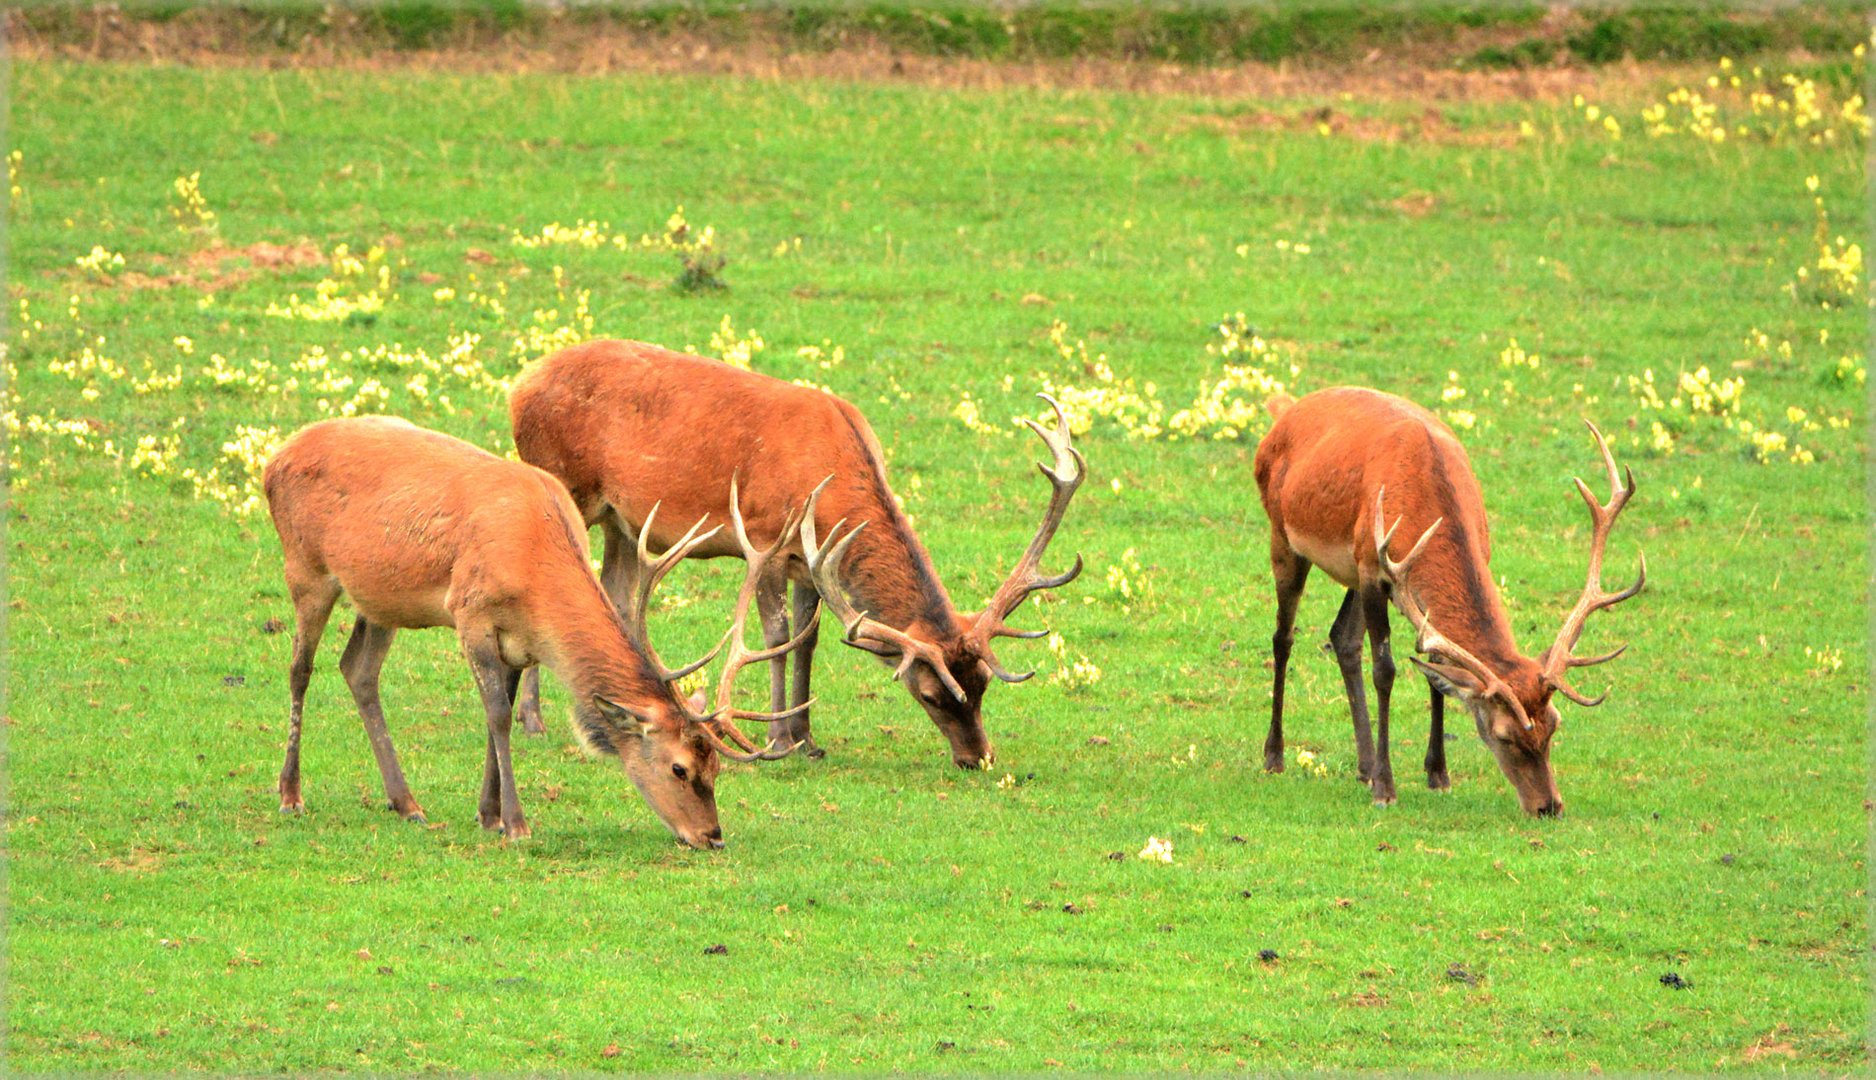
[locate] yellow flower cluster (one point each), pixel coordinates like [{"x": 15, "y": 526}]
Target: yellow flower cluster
[
  {"x": 545, "y": 333},
  {"x": 966, "y": 412},
  {"x": 1234, "y": 403},
  {"x": 100, "y": 261},
  {"x": 244, "y": 456},
  {"x": 15, "y": 162},
  {"x": 1825, "y": 660},
  {"x": 188, "y": 207},
  {"x": 1225, "y": 408},
  {"x": 1127, "y": 581},
  {"x": 1455, "y": 415},
  {"x": 1513, "y": 356},
  {"x": 1754, "y": 105},
  {"x": 590, "y": 235},
  {"x": 736, "y": 350},
  {"x": 333, "y": 300},
  {"x": 1157, "y": 850},
  {"x": 1311, "y": 762},
  {"x": 1075, "y": 674}
]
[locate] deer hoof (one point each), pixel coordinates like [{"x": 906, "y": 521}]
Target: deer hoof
[
  {"x": 519, "y": 832},
  {"x": 1439, "y": 781},
  {"x": 417, "y": 818},
  {"x": 490, "y": 821},
  {"x": 1273, "y": 761},
  {"x": 814, "y": 753}
]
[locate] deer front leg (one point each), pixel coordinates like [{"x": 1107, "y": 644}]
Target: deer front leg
[
  {"x": 312, "y": 607},
  {"x": 1292, "y": 573},
  {"x": 771, "y": 604},
  {"x": 1345, "y": 639},
  {"x": 805, "y": 602},
  {"x": 363, "y": 660},
  {"x": 1374, "y": 613},
  {"x": 498, "y": 683},
  {"x": 1436, "y": 743}
]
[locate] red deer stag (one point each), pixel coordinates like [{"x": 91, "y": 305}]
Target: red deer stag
[
  {"x": 606, "y": 418},
  {"x": 1340, "y": 472},
  {"x": 420, "y": 530}
]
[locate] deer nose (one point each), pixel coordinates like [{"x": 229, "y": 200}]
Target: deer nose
[
  {"x": 714, "y": 838},
  {"x": 1554, "y": 808}
]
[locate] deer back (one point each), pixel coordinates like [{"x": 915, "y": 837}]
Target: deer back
[{"x": 627, "y": 426}]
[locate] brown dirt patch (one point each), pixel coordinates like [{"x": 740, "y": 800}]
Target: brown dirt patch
[
  {"x": 218, "y": 266},
  {"x": 1400, "y": 75}
]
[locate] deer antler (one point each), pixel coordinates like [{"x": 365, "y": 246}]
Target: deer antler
[
  {"x": 1426, "y": 638},
  {"x": 721, "y": 721},
  {"x": 1557, "y": 659},
  {"x": 1064, "y": 478},
  {"x": 863, "y": 631},
  {"x": 651, "y": 571}
]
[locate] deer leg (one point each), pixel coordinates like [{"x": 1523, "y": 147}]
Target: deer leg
[
  {"x": 1345, "y": 640},
  {"x": 1292, "y": 573},
  {"x": 771, "y": 605},
  {"x": 618, "y": 566},
  {"x": 312, "y": 607},
  {"x": 1374, "y": 613},
  {"x": 363, "y": 659},
  {"x": 805, "y": 601},
  {"x": 1436, "y": 744},
  {"x": 498, "y": 683},
  {"x": 528, "y": 705}
]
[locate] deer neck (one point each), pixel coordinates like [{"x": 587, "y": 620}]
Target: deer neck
[
  {"x": 587, "y": 648},
  {"x": 1453, "y": 583},
  {"x": 890, "y": 577}
]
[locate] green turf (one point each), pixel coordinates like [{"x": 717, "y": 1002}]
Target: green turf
[{"x": 881, "y": 910}]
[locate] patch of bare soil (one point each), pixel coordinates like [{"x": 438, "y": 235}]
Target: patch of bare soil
[
  {"x": 218, "y": 266},
  {"x": 1405, "y": 75}
]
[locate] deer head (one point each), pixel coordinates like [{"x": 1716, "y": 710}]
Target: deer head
[
  {"x": 672, "y": 749},
  {"x": 1512, "y": 705},
  {"x": 948, "y": 675}
]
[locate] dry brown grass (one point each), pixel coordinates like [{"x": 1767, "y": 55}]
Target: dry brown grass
[{"x": 1408, "y": 74}]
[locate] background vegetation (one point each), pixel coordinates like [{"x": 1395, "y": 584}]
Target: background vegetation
[{"x": 202, "y": 260}]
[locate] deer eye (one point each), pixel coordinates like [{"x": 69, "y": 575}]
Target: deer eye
[{"x": 680, "y": 772}]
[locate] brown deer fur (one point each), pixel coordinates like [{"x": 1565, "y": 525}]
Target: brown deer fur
[
  {"x": 1326, "y": 461},
  {"x": 422, "y": 530},
  {"x": 626, "y": 425}
]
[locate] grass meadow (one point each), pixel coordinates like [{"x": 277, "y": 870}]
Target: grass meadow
[{"x": 880, "y": 910}]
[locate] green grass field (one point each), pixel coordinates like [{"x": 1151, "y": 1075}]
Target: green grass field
[{"x": 881, "y": 910}]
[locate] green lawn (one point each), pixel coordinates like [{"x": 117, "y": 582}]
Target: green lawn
[{"x": 881, "y": 910}]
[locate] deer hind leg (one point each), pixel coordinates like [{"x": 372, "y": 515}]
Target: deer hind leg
[
  {"x": 1436, "y": 744},
  {"x": 363, "y": 659},
  {"x": 498, "y": 683},
  {"x": 528, "y": 705},
  {"x": 312, "y": 607},
  {"x": 1292, "y": 573},
  {"x": 1345, "y": 640},
  {"x": 805, "y": 601},
  {"x": 1374, "y": 613}
]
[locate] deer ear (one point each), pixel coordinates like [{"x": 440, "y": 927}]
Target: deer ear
[
  {"x": 625, "y": 720},
  {"x": 1449, "y": 680}
]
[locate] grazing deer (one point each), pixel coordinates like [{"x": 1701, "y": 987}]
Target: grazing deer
[
  {"x": 420, "y": 530},
  {"x": 626, "y": 425},
  {"x": 1337, "y": 466}
]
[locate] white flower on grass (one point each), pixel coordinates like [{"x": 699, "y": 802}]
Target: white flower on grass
[{"x": 1157, "y": 850}]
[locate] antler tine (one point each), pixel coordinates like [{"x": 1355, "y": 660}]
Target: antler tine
[
  {"x": 1065, "y": 475},
  {"x": 860, "y": 629},
  {"x": 1427, "y": 639},
  {"x": 652, "y": 571},
  {"x": 1557, "y": 658},
  {"x": 722, "y": 720}
]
